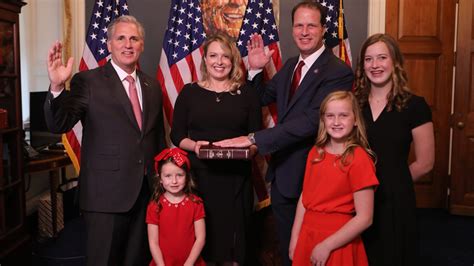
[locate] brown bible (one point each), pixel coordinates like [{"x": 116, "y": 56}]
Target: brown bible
[{"x": 212, "y": 152}]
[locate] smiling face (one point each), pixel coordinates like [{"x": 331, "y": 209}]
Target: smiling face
[
  {"x": 223, "y": 16},
  {"x": 173, "y": 179},
  {"x": 125, "y": 45},
  {"x": 307, "y": 30},
  {"x": 339, "y": 120},
  {"x": 218, "y": 62},
  {"x": 378, "y": 65}
]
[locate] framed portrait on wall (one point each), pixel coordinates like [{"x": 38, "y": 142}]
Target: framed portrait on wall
[{"x": 225, "y": 16}]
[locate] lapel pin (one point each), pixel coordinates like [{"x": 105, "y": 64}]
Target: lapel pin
[
  {"x": 316, "y": 71},
  {"x": 146, "y": 84}
]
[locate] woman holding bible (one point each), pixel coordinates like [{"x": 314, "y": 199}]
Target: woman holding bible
[{"x": 217, "y": 107}]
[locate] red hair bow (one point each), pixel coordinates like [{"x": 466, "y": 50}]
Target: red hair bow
[{"x": 179, "y": 157}]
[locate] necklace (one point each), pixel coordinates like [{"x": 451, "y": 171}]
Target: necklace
[{"x": 219, "y": 96}]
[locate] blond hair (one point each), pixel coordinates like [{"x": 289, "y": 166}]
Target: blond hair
[
  {"x": 357, "y": 137},
  {"x": 236, "y": 75}
]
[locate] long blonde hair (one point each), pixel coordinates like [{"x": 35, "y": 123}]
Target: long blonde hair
[
  {"x": 357, "y": 137},
  {"x": 399, "y": 93},
  {"x": 236, "y": 75}
]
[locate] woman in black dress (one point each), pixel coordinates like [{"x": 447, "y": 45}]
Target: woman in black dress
[
  {"x": 217, "y": 107},
  {"x": 395, "y": 118}
]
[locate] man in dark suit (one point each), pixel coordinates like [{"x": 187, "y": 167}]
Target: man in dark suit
[
  {"x": 298, "y": 114},
  {"x": 122, "y": 130}
]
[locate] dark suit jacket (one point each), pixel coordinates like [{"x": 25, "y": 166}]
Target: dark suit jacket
[
  {"x": 295, "y": 131},
  {"x": 114, "y": 152}
]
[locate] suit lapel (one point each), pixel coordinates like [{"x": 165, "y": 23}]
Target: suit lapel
[
  {"x": 119, "y": 93},
  {"x": 146, "y": 98},
  {"x": 310, "y": 79}
]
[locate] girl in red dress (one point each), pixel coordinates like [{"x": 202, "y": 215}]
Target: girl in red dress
[
  {"x": 336, "y": 204},
  {"x": 175, "y": 216}
]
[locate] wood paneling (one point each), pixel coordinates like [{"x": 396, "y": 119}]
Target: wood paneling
[
  {"x": 462, "y": 181},
  {"x": 424, "y": 30}
]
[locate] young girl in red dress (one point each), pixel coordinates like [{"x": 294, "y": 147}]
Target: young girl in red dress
[
  {"x": 175, "y": 216},
  {"x": 336, "y": 204}
]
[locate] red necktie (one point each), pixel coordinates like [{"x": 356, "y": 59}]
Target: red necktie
[
  {"x": 132, "y": 91},
  {"x": 296, "y": 80}
]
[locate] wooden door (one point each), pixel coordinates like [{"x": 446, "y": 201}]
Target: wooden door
[
  {"x": 462, "y": 181},
  {"x": 424, "y": 30}
]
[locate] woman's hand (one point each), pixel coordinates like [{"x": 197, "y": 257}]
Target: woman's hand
[
  {"x": 320, "y": 254},
  {"x": 198, "y": 145}
]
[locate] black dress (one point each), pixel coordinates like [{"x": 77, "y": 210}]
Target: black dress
[
  {"x": 393, "y": 239},
  {"x": 224, "y": 185}
]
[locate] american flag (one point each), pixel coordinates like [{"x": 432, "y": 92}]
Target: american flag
[
  {"x": 182, "y": 54},
  {"x": 95, "y": 54},
  {"x": 336, "y": 34}
]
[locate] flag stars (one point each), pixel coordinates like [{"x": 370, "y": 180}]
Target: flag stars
[
  {"x": 107, "y": 19},
  {"x": 258, "y": 15},
  {"x": 109, "y": 8},
  {"x": 265, "y": 21},
  {"x": 104, "y": 29},
  {"x": 242, "y": 32},
  {"x": 328, "y": 18},
  {"x": 101, "y": 51},
  {"x": 93, "y": 36},
  {"x": 176, "y": 43},
  {"x": 186, "y": 48},
  {"x": 194, "y": 41},
  {"x": 324, "y": 3},
  {"x": 334, "y": 34},
  {"x": 255, "y": 25},
  {"x": 260, "y": 4},
  {"x": 125, "y": 7},
  {"x": 100, "y": 3},
  {"x": 95, "y": 25},
  {"x": 190, "y": 15},
  {"x": 103, "y": 40},
  {"x": 246, "y": 21},
  {"x": 249, "y": 10},
  {"x": 331, "y": 7},
  {"x": 335, "y": 23},
  {"x": 97, "y": 14},
  {"x": 180, "y": 21},
  {"x": 271, "y": 37},
  {"x": 175, "y": 55},
  {"x": 268, "y": 10},
  {"x": 239, "y": 43},
  {"x": 116, "y": 12},
  {"x": 187, "y": 36},
  {"x": 182, "y": 10}
]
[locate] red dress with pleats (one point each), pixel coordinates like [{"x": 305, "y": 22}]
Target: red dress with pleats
[{"x": 328, "y": 191}]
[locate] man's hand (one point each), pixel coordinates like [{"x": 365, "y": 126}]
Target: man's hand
[
  {"x": 257, "y": 56},
  {"x": 239, "y": 142},
  {"x": 58, "y": 73}
]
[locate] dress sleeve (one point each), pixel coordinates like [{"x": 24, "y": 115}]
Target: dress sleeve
[
  {"x": 179, "y": 127},
  {"x": 199, "y": 211},
  {"x": 255, "y": 110},
  {"x": 419, "y": 112},
  {"x": 362, "y": 171},
  {"x": 152, "y": 217}
]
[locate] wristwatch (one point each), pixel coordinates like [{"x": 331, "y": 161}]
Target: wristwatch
[{"x": 251, "y": 137}]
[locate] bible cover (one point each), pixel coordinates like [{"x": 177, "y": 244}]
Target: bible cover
[{"x": 219, "y": 153}]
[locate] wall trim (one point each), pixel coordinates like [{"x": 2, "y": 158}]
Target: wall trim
[{"x": 376, "y": 19}]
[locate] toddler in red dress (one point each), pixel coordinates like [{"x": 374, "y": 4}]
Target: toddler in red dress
[
  {"x": 336, "y": 204},
  {"x": 175, "y": 216}
]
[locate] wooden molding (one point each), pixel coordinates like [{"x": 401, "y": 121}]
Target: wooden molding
[{"x": 376, "y": 19}]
